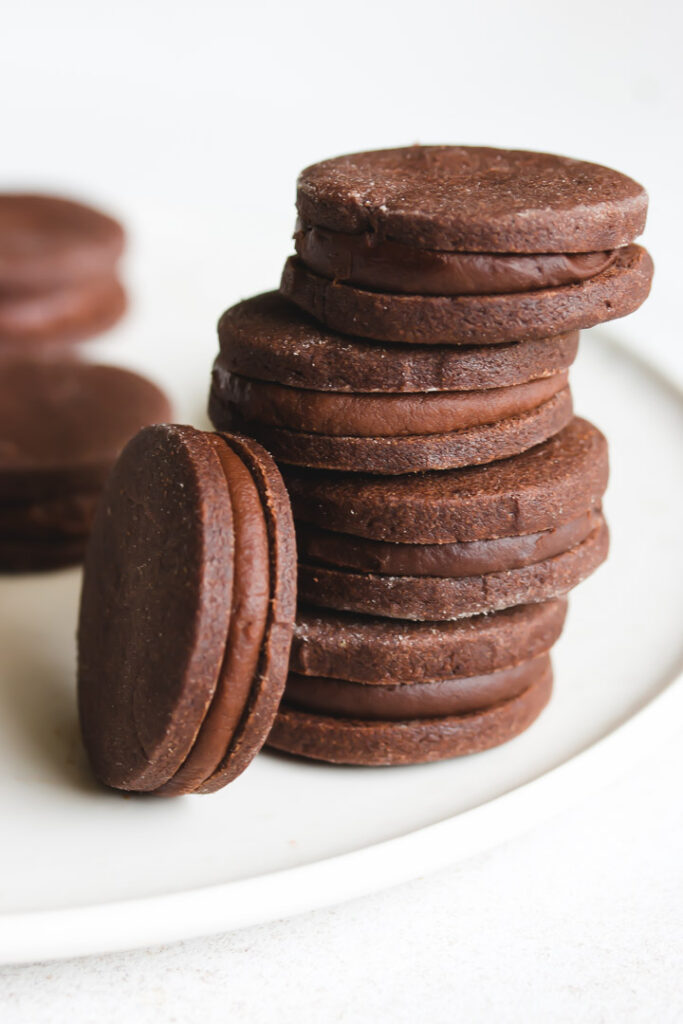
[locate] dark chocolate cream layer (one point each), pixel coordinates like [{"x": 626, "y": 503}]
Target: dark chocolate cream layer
[
  {"x": 338, "y": 414},
  {"x": 405, "y": 701},
  {"x": 473, "y": 558},
  {"x": 381, "y": 265}
]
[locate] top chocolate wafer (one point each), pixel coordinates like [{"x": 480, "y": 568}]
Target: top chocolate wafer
[{"x": 474, "y": 199}]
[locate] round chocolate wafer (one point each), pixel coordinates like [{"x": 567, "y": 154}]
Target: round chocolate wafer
[
  {"x": 394, "y": 455},
  {"x": 269, "y": 338}
]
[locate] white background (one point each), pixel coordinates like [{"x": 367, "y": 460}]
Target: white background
[{"x": 202, "y": 113}]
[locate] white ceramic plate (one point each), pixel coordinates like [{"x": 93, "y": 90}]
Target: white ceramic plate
[{"x": 83, "y": 870}]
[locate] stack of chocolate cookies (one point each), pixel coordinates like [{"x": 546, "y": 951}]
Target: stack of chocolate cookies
[
  {"x": 63, "y": 421},
  {"x": 411, "y": 380}
]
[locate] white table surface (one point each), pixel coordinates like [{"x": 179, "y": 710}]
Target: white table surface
[
  {"x": 581, "y": 920},
  {"x": 218, "y": 105}
]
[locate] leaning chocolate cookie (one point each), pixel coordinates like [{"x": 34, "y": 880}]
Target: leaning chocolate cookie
[{"x": 187, "y": 612}]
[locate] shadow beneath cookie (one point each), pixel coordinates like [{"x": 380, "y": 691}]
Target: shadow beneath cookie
[{"x": 37, "y": 679}]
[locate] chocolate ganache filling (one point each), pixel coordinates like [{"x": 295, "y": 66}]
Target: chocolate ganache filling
[{"x": 378, "y": 264}]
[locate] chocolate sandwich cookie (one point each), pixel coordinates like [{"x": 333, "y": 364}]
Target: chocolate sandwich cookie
[
  {"x": 46, "y": 242},
  {"x": 364, "y": 649},
  {"x": 416, "y": 740},
  {"x": 187, "y": 612},
  {"x": 400, "y": 701},
  {"x": 392, "y": 434},
  {"x": 62, "y": 424},
  {"x": 58, "y": 279},
  {"x": 268, "y": 338},
  {"x": 434, "y": 598},
  {"x": 532, "y": 492},
  {"x": 363, "y": 690},
  {"x": 473, "y": 319},
  {"x": 466, "y": 245}
]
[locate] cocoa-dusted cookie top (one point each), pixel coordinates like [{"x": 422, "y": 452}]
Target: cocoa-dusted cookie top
[
  {"x": 434, "y": 598},
  {"x": 549, "y": 484},
  {"x": 474, "y": 199},
  {"x": 47, "y": 241},
  {"x": 268, "y": 338}
]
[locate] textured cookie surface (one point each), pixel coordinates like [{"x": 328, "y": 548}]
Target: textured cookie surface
[
  {"x": 269, "y": 338},
  {"x": 474, "y": 199},
  {"x": 473, "y": 319},
  {"x": 63, "y": 422},
  {"x": 401, "y": 701},
  {"x": 560, "y": 478},
  {"x": 366, "y": 649},
  {"x": 18, "y": 555}
]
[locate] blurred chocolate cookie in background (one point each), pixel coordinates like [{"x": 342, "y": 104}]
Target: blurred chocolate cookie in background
[{"x": 58, "y": 270}]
